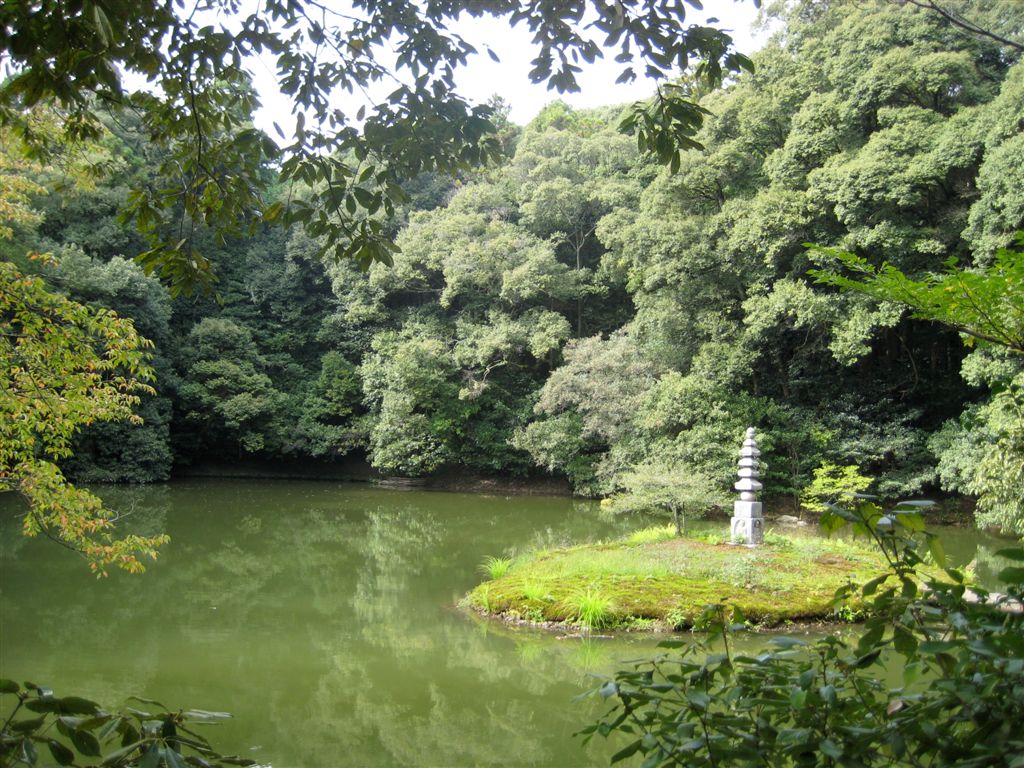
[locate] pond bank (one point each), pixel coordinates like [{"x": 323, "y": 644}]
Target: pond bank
[
  {"x": 359, "y": 471},
  {"x": 653, "y": 580}
]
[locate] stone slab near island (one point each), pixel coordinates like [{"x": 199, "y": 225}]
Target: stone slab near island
[{"x": 747, "y": 514}]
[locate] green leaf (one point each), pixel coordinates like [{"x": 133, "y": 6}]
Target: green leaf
[
  {"x": 698, "y": 699},
  {"x": 86, "y": 743},
  {"x": 121, "y": 753},
  {"x": 798, "y": 698},
  {"x": 937, "y": 551},
  {"x": 872, "y": 586},
  {"x": 912, "y": 521},
  {"x": 25, "y": 726},
  {"x": 625, "y": 752},
  {"x": 173, "y": 759},
  {"x": 867, "y": 659},
  {"x": 28, "y": 749},
  {"x": 44, "y": 704},
  {"x": 8, "y": 686},
  {"x": 152, "y": 757},
  {"x": 154, "y": 702},
  {"x": 904, "y": 641},
  {"x": 1012, "y": 553},
  {"x": 203, "y": 715},
  {"x": 75, "y": 705},
  {"x": 103, "y": 28},
  {"x": 830, "y": 749},
  {"x": 61, "y": 753}
]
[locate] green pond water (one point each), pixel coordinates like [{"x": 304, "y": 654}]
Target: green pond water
[{"x": 323, "y": 616}]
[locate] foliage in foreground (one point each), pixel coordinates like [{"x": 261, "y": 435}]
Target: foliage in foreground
[
  {"x": 76, "y": 731},
  {"x": 63, "y": 366},
  {"x": 834, "y": 701}
]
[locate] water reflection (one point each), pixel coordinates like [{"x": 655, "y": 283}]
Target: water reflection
[{"x": 324, "y": 617}]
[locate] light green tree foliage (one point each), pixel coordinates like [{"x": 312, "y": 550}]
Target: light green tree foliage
[
  {"x": 411, "y": 388},
  {"x": 833, "y": 484},
  {"x": 227, "y": 391},
  {"x": 586, "y": 406},
  {"x": 489, "y": 291},
  {"x": 865, "y": 125},
  {"x": 569, "y": 171},
  {"x": 65, "y": 366},
  {"x": 673, "y": 488}
]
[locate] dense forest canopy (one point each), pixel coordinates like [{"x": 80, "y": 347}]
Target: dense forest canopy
[{"x": 578, "y": 309}]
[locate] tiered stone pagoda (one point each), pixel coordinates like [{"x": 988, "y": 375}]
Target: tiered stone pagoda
[{"x": 747, "y": 518}]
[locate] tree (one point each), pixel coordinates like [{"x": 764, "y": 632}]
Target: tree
[
  {"x": 130, "y": 737},
  {"x": 227, "y": 391},
  {"x": 65, "y": 366},
  {"x": 352, "y": 165},
  {"x": 870, "y": 126},
  {"x": 675, "y": 488},
  {"x": 586, "y": 406},
  {"x": 833, "y": 485}
]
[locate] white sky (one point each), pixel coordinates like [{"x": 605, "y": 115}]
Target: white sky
[{"x": 483, "y": 77}]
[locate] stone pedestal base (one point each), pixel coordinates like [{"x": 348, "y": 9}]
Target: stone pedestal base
[{"x": 748, "y": 530}]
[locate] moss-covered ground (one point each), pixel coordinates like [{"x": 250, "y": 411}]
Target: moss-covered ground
[{"x": 654, "y": 579}]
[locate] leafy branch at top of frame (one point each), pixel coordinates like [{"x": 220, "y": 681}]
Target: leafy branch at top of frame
[{"x": 345, "y": 168}]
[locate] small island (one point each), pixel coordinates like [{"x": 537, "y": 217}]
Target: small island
[{"x": 655, "y": 580}]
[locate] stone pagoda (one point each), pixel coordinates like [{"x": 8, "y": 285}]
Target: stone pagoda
[{"x": 747, "y": 520}]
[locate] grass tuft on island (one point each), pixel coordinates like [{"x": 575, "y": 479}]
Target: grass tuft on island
[{"x": 656, "y": 580}]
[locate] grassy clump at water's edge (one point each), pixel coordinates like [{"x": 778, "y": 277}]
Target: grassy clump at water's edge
[{"x": 653, "y": 577}]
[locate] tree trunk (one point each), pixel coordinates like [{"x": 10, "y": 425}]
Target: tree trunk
[{"x": 678, "y": 520}]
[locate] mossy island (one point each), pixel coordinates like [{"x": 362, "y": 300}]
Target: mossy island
[{"x": 656, "y": 580}]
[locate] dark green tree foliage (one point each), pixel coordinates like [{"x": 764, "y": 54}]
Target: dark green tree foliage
[
  {"x": 118, "y": 451},
  {"x": 71, "y": 730},
  {"x": 872, "y": 127},
  {"x": 326, "y": 424},
  {"x": 226, "y": 392}
]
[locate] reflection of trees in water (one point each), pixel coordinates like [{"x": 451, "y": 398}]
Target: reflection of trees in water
[
  {"x": 399, "y": 545},
  {"x": 12, "y": 541},
  {"x": 60, "y": 623},
  {"x": 142, "y": 510},
  {"x": 465, "y": 704},
  {"x": 987, "y": 564},
  {"x": 324, "y": 619}
]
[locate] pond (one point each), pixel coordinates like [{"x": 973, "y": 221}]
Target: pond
[{"x": 323, "y": 616}]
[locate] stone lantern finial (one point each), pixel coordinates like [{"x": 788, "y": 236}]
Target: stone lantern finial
[{"x": 747, "y": 519}]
